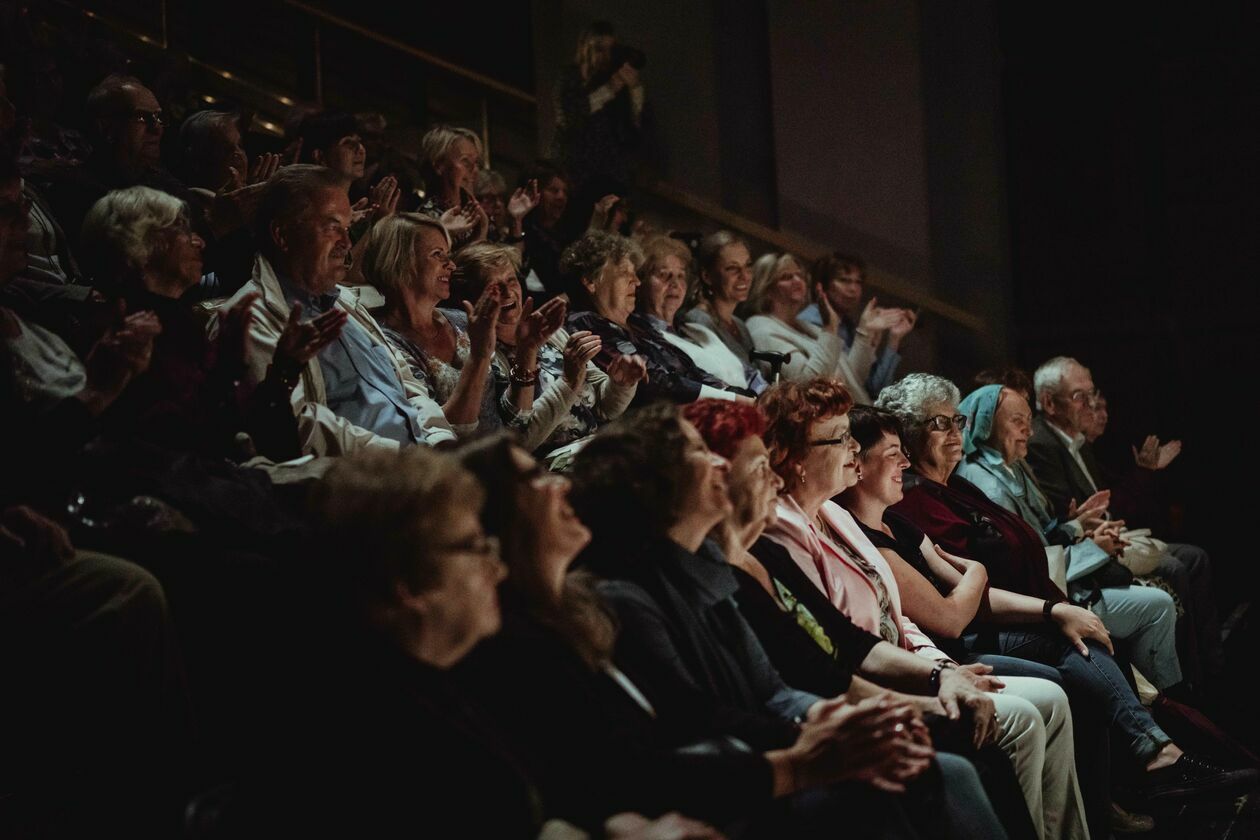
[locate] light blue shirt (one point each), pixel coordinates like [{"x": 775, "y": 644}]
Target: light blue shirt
[{"x": 361, "y": 383}]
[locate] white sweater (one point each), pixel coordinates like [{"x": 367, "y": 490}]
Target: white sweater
[{"x": 815, "y": 353}]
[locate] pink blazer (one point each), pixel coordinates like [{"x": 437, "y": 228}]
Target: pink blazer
[{"x": 846, "y": 585}]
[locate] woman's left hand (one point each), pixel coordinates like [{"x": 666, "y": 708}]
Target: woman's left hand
[{"x": 1079, "y": 624}]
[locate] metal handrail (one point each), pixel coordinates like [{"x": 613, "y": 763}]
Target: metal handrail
[{"x": 427, "y": 57}]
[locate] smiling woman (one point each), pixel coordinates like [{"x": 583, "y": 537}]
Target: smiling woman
[{"x": 408, "y": 258}]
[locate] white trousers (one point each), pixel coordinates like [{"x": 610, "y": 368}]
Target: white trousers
[{"x": 1037, "y": 738}]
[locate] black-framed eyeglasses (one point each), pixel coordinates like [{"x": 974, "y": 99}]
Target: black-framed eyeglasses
[
  {"x": 845, "y": 438},
  {"x": 942, "y": 423},
  {"x": 152, "y": 119}
]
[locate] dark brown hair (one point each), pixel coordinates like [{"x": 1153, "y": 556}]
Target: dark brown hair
[{"x": 579, "y": 614}]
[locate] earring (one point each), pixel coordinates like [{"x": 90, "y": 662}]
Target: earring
[{"x": 800, "y": 474}]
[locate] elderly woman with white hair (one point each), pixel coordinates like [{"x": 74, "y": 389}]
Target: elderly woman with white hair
[
  {"x": 780, "y": 290},
  {"x": 962, "y": 519},
  {"x": 140, "y": 248}
]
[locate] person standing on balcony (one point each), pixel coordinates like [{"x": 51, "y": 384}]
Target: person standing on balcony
[{"x": 599, "y": 108}]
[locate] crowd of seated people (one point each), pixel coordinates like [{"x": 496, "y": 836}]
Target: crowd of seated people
[{"x": 331, "y": 505}]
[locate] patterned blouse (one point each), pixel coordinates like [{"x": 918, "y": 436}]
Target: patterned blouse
[
  {"x": 439, "y": 377},
  {"x": 580, "y": 420}
]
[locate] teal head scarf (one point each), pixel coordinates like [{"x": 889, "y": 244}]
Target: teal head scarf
[{"x": 980, "y": 406}]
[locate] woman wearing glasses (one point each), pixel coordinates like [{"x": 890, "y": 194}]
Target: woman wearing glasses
[{"x": 960, "y": 519}]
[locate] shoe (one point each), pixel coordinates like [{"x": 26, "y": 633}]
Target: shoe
[
  {"x": 1191, "y": 777},
  {"x": 1126, "y": 822}
]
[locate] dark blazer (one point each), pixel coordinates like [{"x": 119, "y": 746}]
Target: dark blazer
[{"x": 1057, "y": 472}]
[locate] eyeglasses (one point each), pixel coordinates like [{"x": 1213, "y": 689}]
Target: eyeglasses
[
  {"x": 942, "y": 423},
  {"x": 152, "y": 119},
  {"x": 1083, "y": 395},
  {"x": 844, "y": 439}
]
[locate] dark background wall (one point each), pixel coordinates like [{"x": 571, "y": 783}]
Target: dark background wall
[
  {"x": 1082, "y": 176},
  {"x": 1132, "y": 139}
]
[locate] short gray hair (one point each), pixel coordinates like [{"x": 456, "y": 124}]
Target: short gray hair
[
  {"x": 909, "y": 399},
  {"x": 587, "y": 257},
  {"x": 490, "y": 181},
  {"x": 120, "y": 230},
  {"x": 1049, "y": 377}
]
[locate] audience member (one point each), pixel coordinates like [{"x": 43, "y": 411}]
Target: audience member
[
  {"x": 545, "y": 236},
  {"x": 663, "y": 284},
  {"x": 599, "y": 102},
  {"x": 723, "y": 283},
  {"x": 407, "y": 257},
  {"x": 356, "y": 393},
  {"x": 1065, "y": 395},
  {"x": 780, "y": 290},
  {"x": 506, "y": 213},
  {"x": 546, "y": 380},
  {"x": 843, "y": 278},
  {"x": 125, "y": 123},
  {"x": 450, "y": 159}
]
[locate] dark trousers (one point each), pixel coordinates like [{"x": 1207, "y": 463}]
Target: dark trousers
[{"x": 1188, "y": 569}]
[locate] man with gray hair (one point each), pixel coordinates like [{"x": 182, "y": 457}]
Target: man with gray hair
[
  {"x": 357, "y": 393},
  {"x": 1059, "y": 456}
]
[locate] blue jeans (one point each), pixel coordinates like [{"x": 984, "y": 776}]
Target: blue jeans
[
  {"x": 1094, "y": 680},
  {"x": 1145, "y": 618}
]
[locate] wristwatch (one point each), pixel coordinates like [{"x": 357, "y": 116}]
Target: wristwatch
[{"x": 934, "y": 678}]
